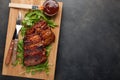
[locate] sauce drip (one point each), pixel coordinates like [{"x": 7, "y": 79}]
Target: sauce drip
[{"x": 51, "y": 7}]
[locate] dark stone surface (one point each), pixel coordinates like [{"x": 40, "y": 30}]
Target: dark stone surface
[{"x": 89, "y": 46}]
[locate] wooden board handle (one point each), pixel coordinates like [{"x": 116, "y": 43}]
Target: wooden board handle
[
  {"x": 9, "y": 54},
  {"x": 23, "y": 6}
]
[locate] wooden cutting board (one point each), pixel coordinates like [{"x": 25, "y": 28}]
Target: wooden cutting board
[{"x": 18, "y": 70}]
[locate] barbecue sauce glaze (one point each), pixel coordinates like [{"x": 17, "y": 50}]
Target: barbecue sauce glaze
[{"x": 51, "y": 7}]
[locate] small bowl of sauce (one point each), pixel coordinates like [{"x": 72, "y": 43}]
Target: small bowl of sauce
[{"x": 51, "y": 7}]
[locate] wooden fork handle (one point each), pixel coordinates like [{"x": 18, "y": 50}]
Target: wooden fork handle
[{"x": 9, "y": 54}]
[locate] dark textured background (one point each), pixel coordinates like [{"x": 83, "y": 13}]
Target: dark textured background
[{"x": 89, "y": 46}]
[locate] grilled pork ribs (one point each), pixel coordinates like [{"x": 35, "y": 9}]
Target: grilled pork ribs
[{"x": 36, "y": 39}]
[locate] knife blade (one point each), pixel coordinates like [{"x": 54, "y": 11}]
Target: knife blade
[
  {"x": 26, "y": 6},
  {"x": 18, "y": 27}
]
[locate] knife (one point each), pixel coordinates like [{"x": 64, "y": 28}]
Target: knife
[
  {"x": 10, "y": 50},
  {"x": 18, "y": 27},
  {"x": 26, "y": 6}
]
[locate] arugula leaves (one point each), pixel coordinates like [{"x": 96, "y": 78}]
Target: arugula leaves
[
  {"x": 51, "y": 23},
  {"x": 48, "y": 49},
  {"x": 20, "y": 46},
  {"x": 23, "y": 30},
  {"x": 34, "y": 16}
]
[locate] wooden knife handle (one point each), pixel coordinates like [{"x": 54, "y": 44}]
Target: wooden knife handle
[
  {"x": 9, "y": 54},
  {"x": 14, "y": 51}
]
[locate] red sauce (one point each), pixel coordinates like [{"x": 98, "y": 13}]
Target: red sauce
[{"x": 51, "y": 7}]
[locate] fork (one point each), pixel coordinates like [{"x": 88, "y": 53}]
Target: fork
[{"x": 18, "y": 27}]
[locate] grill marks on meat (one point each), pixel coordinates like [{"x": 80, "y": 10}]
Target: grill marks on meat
[
  {"x": 34, "y": 60},
  {"x": 47, "y": 36},
  {"x": 32, "y": 52},
  {"x": 35, "y": 41}
]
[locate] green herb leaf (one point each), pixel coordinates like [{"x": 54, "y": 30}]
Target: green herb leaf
[
  {"x": 51, "y": 23},
  {"x": 48, "y": 49},
  {"x": 15, "y": 63},
  {"x": 33, "y": 72},
  {"x": 34, "y": 16},
  {"x": 20, "y": 51}
]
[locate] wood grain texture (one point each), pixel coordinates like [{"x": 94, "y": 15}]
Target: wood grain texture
[
  {"x": 17, "y": 5},
  {"x": 19, "y": 70}
]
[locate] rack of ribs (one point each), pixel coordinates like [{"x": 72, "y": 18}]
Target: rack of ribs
[{"x": 36, "y": 39}]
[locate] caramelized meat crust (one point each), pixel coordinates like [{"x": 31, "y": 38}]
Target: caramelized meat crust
[{"x": 35, "y": 41}]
